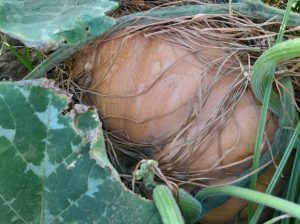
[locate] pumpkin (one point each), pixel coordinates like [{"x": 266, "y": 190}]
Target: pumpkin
[{"x": 194, "y": 106}]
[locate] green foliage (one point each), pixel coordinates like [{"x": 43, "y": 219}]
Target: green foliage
[
  {"x": 190, "y": 207},
  {"x": 48, "y": 25},
  {"x": 47, "y": 174},
  {"x": 24, "y": 59},
  {"x": 269, "y": 70},
  {"x": 286, "y": 206},
  {"x": 167, "y": 205},
  {"x": 282, "y": 4}
]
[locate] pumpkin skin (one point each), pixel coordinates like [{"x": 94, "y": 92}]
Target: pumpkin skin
[
  {"x": 146, "y": 90},
  {"x": 233, "y": 143},
  {"x": 143, "y": 85}
]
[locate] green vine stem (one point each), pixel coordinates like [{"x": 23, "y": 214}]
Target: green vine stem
[
  {"x": 260, "y": 136},
  {"x": 278, "y": 172},
  {"x": 278, "y": 53},
  {"x": 254, "y": 196},
  {"x": 265, "y": 106},
  {"x": 166, "y": 205},
  {"x": 245, "y": 7},
  {"x": 190, "y": 208},
  {"x": 292, "y": 187}
]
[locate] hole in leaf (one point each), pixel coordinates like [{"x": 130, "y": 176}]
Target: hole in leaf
[{"x": 68, "y": 108}]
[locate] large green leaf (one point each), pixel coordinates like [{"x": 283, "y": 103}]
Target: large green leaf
[
  {"x": 53, "y": 165},
  {"x": 48, "y": 24}
]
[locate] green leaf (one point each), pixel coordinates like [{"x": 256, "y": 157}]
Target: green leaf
[
  {"x": 49, "y": 24},
  {"x": 47, "y": 174}
]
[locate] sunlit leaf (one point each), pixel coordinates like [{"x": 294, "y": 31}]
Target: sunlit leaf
[
  {"x": 48, "y": 24},
  {"x": 54, "y": 167}
]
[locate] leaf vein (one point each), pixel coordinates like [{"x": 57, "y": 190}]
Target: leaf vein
[{"x": 9, "y": 205}]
